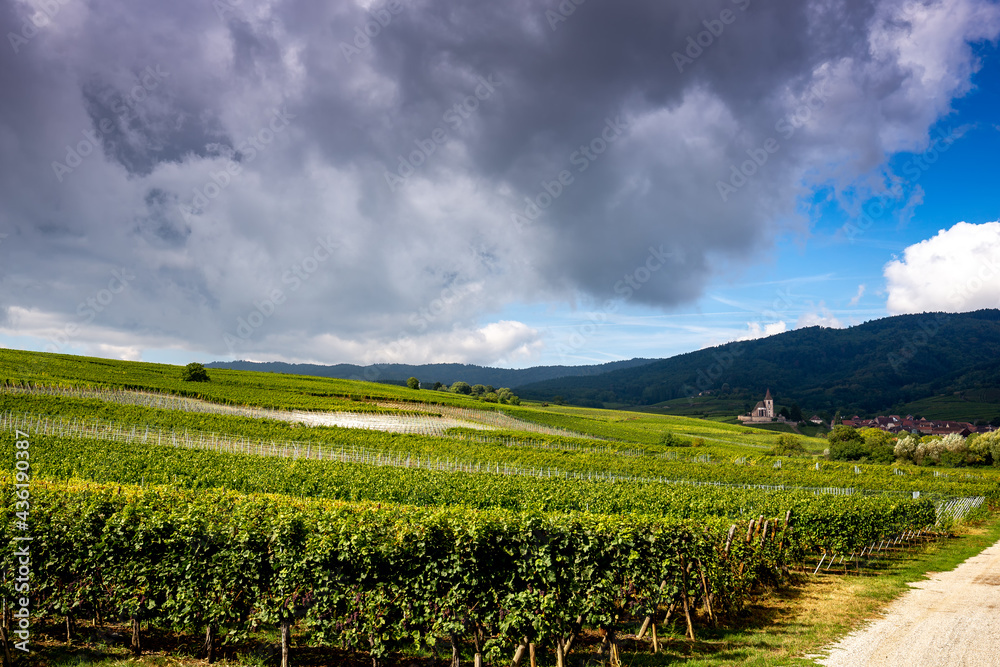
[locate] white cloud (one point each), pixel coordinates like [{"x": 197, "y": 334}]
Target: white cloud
[
  {"x": 955, "y": 271},
  {"x": 444, "y": 243},
  {"x": 821, "y": 316},
  {"x": 503, "y": 343},
  {"x": 757, "y": 330},
  {"x": 857, "y": 297}
]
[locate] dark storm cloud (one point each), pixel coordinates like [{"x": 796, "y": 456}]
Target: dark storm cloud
[{"x": 374, "y": 180}]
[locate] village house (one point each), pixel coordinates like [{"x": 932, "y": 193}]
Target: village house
[{"x": 907, "y": 424}]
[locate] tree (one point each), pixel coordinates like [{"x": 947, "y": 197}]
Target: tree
[
  {"x": 795, "y": 413},
  {"x": 195, "y": 372},
  {"x": 669, "y": 439},
  {"x": 413, "y": 383},
  {"x": 784, "y": 413},
  {"x": 788, "y": 445},
  {"x": 881, "y": 444},
  {"x": 478, "y": 389},
  {"x": 507, "y": 397},
  {"x": 461, "y": 388},
  {"x": 991, "y": 442},
  {"x": 979, "y": 449},
  {"x": 956, "y": 450},
  {"x": 906, "y": 448},
  {"x": 846, "y": 444},
  {"x": 842, "y": 433},
  {"x": 929, "y": 452},
  {"x": 437, "y": 385}
]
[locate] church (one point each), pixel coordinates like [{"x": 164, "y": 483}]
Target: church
[{"x": 762, "y": 412}]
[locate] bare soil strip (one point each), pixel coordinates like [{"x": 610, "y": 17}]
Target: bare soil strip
[{"x": 951, "y": 619}]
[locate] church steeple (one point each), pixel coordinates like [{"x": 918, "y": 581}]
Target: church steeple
[{"x": 769, "y": 404}]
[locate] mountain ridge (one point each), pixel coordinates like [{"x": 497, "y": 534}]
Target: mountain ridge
[
  {"x": 430, "y": 373},
  {"x": 868, "y": 368}
]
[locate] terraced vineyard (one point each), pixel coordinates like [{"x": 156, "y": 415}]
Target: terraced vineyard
[{"x": 227, "y": 508}]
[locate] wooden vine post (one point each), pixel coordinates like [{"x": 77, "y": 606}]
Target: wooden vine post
[
  {"x": 519, "y": 653},
  {"x": 708, "y": 593},
  {"x": 286, "y": 633},
  {"x": 684, "y": 598},
  {"x": 649, "y": 619},
  {"x": 729, "y": 539},
  {"x": 784, "y": 529}
]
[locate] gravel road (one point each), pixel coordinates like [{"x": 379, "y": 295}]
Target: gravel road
[{"x": 951, "y": 619}]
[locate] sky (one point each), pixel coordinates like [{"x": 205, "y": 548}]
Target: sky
[{"x": 510, "y": 184}]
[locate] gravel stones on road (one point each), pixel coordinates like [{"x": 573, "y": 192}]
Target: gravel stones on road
[{"x": 952, "y": 619}]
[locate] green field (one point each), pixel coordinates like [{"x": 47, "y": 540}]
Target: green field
[
  {"x": 545, "y": 522},
  {"x": 972, "y": 405}
]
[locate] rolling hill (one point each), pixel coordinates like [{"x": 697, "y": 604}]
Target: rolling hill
[
  {"x": 875, "y": 367},
  {"x": 428, "y": 374}
]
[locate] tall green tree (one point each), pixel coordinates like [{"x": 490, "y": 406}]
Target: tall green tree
[{"x": 195, "y": 372}]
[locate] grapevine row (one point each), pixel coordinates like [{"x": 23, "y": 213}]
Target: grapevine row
[{"x": 379, "y": 579}]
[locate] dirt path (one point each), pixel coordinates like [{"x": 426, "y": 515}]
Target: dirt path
[{"x": 951, "y": 619}]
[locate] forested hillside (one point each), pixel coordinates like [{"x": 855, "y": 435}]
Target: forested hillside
[
  {"x": 428, "y": 374},
  {"x": 870, "y": 368}
]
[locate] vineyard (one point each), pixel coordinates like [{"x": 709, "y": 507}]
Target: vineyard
[{"x": 377, "y": 522}]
